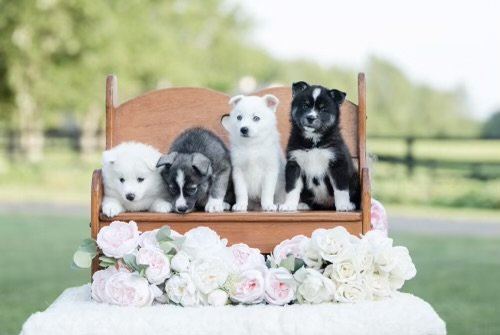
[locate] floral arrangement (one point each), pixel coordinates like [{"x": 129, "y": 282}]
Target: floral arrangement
[{"x": 198, "y": 268}]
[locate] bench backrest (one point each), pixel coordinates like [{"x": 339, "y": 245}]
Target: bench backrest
[{"x": 159, "y": 116}]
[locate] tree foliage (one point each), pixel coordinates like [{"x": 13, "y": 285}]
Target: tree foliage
[
  {"x": 54, "y": 56},
  {"x": 491, "y": 127}
]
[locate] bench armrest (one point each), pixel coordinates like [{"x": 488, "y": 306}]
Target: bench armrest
[
  {"x": 366, "y": 199},
  {"x": 96, "y": 194}
]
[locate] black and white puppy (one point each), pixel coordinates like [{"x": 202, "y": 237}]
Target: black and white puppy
[
  {"x": 319, "y": 170},
  {"x": 197, "y": 172}
]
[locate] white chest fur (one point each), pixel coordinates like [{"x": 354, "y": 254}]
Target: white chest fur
[
  {"x": 314, "y": 162},
  {"x": 314, "y": 165}
]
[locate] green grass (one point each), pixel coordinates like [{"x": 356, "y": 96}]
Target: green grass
[{"x": 458, "y": 275}]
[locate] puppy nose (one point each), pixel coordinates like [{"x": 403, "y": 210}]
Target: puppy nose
[
  {"x": 130, "y": 196},
  {"x": 310, "y": 118},
  {"x": 244, "y": 130},
  {"x": 182, "y": 209}
]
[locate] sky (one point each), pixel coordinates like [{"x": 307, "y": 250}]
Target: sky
[{"x": 442, "y": 43}]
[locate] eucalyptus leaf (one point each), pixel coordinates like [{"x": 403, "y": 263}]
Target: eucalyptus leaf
[
  {"x": 89, "y": 246},
  {"x": 179, "y": 241},
  {"x": 82, "y": 259},
  {"x": 130, "y": 261},
  {"x": 163, "y": 234},
  {"x": 298, "y": 264},
  {"x": 288, "y": 263},
  {"x": 167, "y": 246}
]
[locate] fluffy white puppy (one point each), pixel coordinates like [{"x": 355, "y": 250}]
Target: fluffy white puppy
[
  {"x": 131, "y": 180},
  {"x": 256, "y": 155}
]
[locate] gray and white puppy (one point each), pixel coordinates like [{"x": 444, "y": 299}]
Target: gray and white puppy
[{"x": 196, "y": 171}]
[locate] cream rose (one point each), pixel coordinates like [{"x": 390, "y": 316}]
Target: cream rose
[
  {"x": 377, "y": 285},
  {"x": 181, "y": 290},
  {"x": 345, "y": 271},
  {"x": 350, "y": 292},
  {"x": 158, "y": 269},
  {"x": 246, "y": 258},
  {"x": 280, "y": 286},
  {"x": 314, "y": 288},
  {"x": 311, "y": 256},
  {"x": 293, "y": 246},
  {"x": 128, "y": 289},
  {"x": 99, "y": 279},
  {"x": 248, "y": 287},
  {"x": 209, "y": 274},
  {"x": 118, "y": 239},
  {"x": 202, "y": 242},
  {"x": 334, "y": 244}
]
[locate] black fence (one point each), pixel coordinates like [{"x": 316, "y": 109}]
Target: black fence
[{"x": 477, "y": 170}]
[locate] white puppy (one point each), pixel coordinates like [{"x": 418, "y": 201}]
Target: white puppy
[
  {"x": 256, "y": 155},
  {"x": 131, "y": 180}
]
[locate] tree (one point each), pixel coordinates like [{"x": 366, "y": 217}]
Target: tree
[{"x": 491, "y": 127}]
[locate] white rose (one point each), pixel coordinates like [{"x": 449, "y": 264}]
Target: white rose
[
  {"x": 158, "y": 269},
  {"x": 247, "y": 287},
  {"x": 351, "y": 292},
  {"x": 217, "y": 298},
  {"x": 129, "y": 289},
  {"x": 345, "y": 271},
  {"x": 311, "y": 256},
  {"x": 292, "y": 247},
  {"x": 364, "y": 258},
  {"x": 118, "y": 239},
  {"x": 180, "y": 262},
  {"x": 246, "y": 258},
  {"x": 376, "y": 242},
  {"x": 99, "y": 279},
  {"x": 280, "y": 286},
  {"x": 202, "y": 242},
  {"x": 334, "y": 244},
  {"x": 148, "y": 238},
  {"x": 403, "y": 270},
  {"x": 209, "y": 274},
  {"x": 377, "y": 285},
  {"x": 181, "y": 290},
  {"x": 314, "y": 288}
]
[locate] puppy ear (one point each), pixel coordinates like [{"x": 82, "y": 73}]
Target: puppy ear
[
  {"x": 299, "y": 87},
  {"x": 167, "y": 160},
  {"x": 234, "y": 100},
  {"x": 201, "y": 164},
  {"x": 337, "y": 96},
  {"x": 271, "y": 101},
  {"x": 224, "y": 120},
  {"x": 108, "y": 157}
]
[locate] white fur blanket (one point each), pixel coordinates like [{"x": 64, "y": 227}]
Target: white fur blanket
[{"x": 74, "y": 313}]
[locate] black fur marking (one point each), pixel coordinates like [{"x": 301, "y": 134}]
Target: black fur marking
[
  {"x": 292, "y": 173},
  {"x": 315, "y": 181}
]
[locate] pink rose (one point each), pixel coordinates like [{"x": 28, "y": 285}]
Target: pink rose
[
  {"x": 99, "y": 279},
  {"x": 280, "y": 286},
  {"x": 118, "y": 239},
  {"x": 289, "y": 247},
  {"x": 379, "y": 217},
  {"x": 158, "y": 269},
  {"x": 128, "y": 289},
  {"x": 248, "y": 287},
  {"x": 246, "y": 258}
]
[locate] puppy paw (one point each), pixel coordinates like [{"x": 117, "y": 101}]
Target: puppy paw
[
  {"x": 161, "y": 206},
  {"x": 111, "y": 209},
  {"x": 214, "y": 205},
  {"x": 345, "y": 207},
  {"x": 227, "y": 206},
  {"x": 288, "y": 207},
  {"x": 303, "y": 207},
  {"x": 240, "y": 207},
  {"x": 269, "y": 207}
]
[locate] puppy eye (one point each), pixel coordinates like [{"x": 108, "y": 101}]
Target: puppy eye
[
  {"x": 239, "y": 117},
  {"x": 122, "y": 180},
  {"x": 171, "y": 187},
  {"x": 190, "y": 190},
  {"x": 305, "y": 105},
  {"x": 256, "y": 118},
  {"x": 140, "y": 180}
]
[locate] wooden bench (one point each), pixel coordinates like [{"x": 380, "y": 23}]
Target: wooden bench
[{"x": 158, "y": 117}]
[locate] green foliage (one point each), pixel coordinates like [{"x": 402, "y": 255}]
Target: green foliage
[
  {"x": 60, "y": 63},
  {"x": 82, "y": 258},
  {"x": 491, "y": 127}
]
